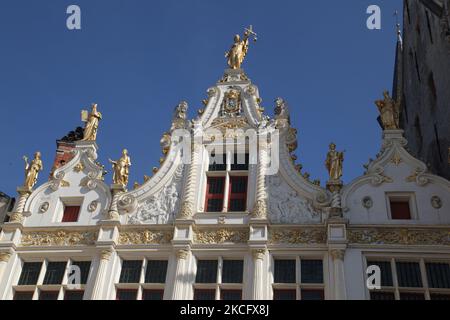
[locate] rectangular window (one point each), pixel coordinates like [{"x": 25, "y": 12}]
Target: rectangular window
[
  {"x": 232, "y": 271},
  {"x": 284, "y": 271},
  {"x": 408, "y": 274},
  {"x": 204, "y": 294},
  {"x": 438, "y": 275},
  {"x": 85, "y": 267},
  {"x": 402, "y": 280},
  {"x": 386, "y": 272},
  {"x": 240, "y": 162},
  {"x": 131, "y": 271},
  {"x": 284, "y": 294},
  {"x": 217, "y": 163},
  {"x": 71, "y": 213},
  {"x": 214, "y": 194},
  {"x": 238, "y": 194},
  {"x": 221, "y": 279},
  {"x": 152, "y": 294},
  {"x": 227, "y": 294},
  {"x": 73, "y": 295},
  {"x": 312, "y": 294},
  {"x": 23, "y": 295},
  {"x": 55, "y": 272},
  {"x": 126, "y": 294},
  {"x": 411, "y": 296},
  {"x": 48, "y": 295},
  {"x": 30, "y": 273},
  {"x": 299, "y": 279},
  {"x": 400, "y": 209},
  {"x": 206, "y": 271},
  {"x": 312, "y": 271},
  {"x": 156, "y": 271}
]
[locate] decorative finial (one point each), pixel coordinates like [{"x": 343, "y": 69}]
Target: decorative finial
[
  {"x": 239, "y": 49},
  {"x": 399, "y": 32}
]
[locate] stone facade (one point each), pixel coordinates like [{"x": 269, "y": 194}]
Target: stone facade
[
  {"x": 425, "y": 64},
  {"x": 168, "y": 221}
]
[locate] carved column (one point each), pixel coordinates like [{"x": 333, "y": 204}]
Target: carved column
[
  {"x": 260, "y": 208},
  {"x": 4, "y": 258},
  {"x": 258, "y": 280},
  {"x": 340, "y": 292},
  {"x": 97, "y": 293},
  {"x": 180, "y": 275},
  {"x": 188, "y": 206},
  {"x": 117, "y": 191},
  {"x": 17, "y": 215}
]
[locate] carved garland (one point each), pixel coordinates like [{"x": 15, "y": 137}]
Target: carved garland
[
  {"x": 220, "y": 236},
  {"x": 403, "y": 236},
  {"x": 145, "y": 237},
  {"x": 298, "y": 236},
  {"x": 58, "y": 238}
]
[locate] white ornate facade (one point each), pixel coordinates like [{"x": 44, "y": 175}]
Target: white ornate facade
[{"x": 288, "y": 223}]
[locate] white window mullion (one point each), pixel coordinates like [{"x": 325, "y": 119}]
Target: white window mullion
[
  {"x": 395, "y": 279},
  {"x": 423, "y": 273}
]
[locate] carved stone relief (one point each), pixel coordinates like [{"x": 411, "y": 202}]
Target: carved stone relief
[
  {"x": 286, "y": 206},
  {"x": 161, "y": 207}
]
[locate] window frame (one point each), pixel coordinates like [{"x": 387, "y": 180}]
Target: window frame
[
  {"x": 299, "y": 285},
  {"x": 402, "y": 197},
  {"x": 426, "y": 290},
  {"x": 218, "y": 286},
  {"x": 228, "y": 174},
  {"x": 61, "y": 288},
  {"x": 141, "y": 285}
]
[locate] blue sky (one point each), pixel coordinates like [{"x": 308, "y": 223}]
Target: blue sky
[{"x": 137, "y": 59}]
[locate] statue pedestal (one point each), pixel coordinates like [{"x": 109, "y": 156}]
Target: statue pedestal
[{"x": 234, "y": 75}]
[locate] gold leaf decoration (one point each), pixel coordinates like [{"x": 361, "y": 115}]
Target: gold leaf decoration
[
  {"x": 298, "y": 236},
  {"x": 145, "y": 237},
  {"x": 219, "y": 236},
  {"x": 58, "y": 238},
  {"x": 403, "y": 236}
]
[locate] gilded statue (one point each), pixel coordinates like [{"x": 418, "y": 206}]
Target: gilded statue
[
  {"x": 121, "y": 169},
  {"x": 239, "y": 49},
  {"x": 389, "y": 112},
  {"x": 92, "y": 120},
  {"x": 32, "y": 170},
  {"x": 334, "y": 162}
]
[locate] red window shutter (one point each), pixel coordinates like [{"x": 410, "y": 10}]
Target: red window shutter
[
  {"x": 71, "y": 214},
  {"x": 215, "y": 187},
  {"x": 400, "y": 210},
  {"x": 237, "y": 199}
]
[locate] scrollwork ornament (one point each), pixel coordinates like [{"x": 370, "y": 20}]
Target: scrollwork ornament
[{"x": 126, "y": 203}]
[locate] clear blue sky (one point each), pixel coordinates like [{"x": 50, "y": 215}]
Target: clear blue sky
[{"x": 137, "y": 59}]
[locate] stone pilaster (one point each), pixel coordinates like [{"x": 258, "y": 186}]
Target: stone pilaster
[
  {"x": 258, "y": 272},
  {"x": 340, "y": 292},
  {"x": 180, "y": 275},
  {"x": 4, "y": 259},
  {"x": 105, "y": 256}
]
